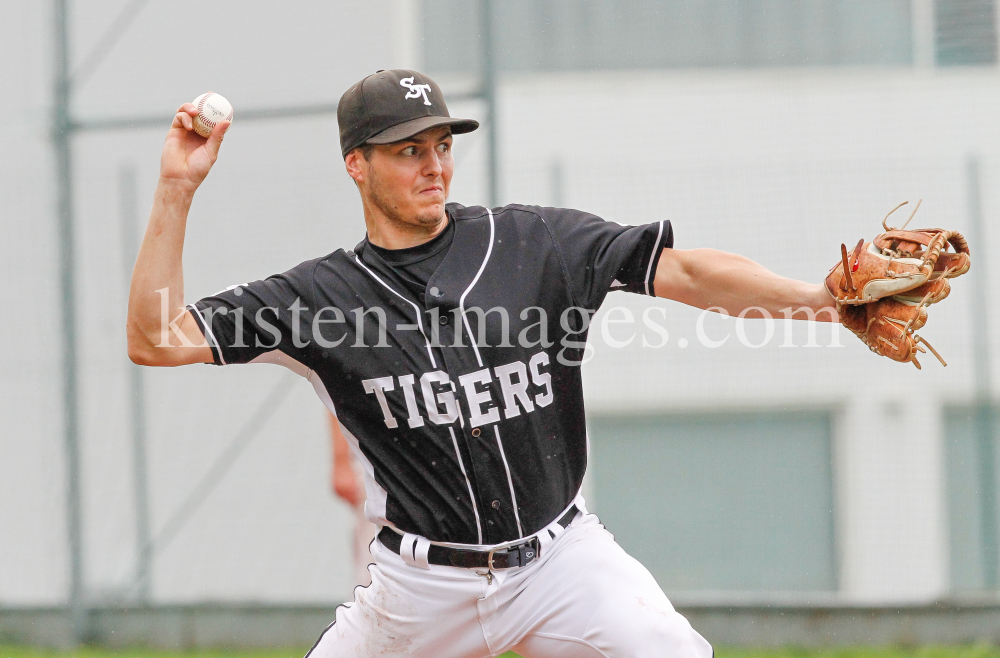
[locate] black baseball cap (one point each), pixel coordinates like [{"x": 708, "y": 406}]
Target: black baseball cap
[{"x": 390, "y": 106}]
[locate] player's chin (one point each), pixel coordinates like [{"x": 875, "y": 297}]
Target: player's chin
[
  {"x": 429, "y": 217},
  {"x": 430, "y": 213}
]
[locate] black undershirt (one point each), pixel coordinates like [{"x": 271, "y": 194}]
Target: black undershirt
[{"x": 416, "y": 265}]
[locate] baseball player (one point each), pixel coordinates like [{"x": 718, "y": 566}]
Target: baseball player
[
  {"x": 345, "y": 478},
  {"x": 448, "y": 344}
]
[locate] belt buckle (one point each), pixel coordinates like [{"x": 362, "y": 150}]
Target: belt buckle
[
  {"x": 489, "y": 557},
  {"x": 512, "y": 545}
]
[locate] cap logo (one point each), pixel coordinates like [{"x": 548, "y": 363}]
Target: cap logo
[{"x": 415, "y": 91}]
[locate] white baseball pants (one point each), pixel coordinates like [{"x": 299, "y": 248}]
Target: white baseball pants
[{"x": 584, "y": 598}]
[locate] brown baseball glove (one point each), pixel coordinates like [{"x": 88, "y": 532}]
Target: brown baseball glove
[{"x": 882, "y": 288}]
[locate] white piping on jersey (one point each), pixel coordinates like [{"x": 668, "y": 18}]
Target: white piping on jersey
[
  {"x": 510, "y": 483},
  {"x": 420, "y": 324},
  {"x": 211, "y": 335},
  {"x": 652, "y": 256},
  {"x": 375, "y": 495},
  {"x": 279, "y": 358},
  {"x": 461, "y": 465},
  {"x": 461, "y": 300}
]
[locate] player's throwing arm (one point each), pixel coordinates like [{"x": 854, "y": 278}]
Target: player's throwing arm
[{"x": 160, "y": 330}]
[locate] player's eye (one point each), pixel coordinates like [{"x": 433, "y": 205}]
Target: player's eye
[
  {"x": 409, "y": 150},
  {"x": 444, "y": 147}
]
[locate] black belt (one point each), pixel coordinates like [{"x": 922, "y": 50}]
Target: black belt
[{"x": 513, "y": 554}]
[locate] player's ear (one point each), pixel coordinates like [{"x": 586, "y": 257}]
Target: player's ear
[{"x": 356, "y": 165}]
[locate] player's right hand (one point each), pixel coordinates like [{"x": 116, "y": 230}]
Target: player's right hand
[{"x": 187, "y": 156}]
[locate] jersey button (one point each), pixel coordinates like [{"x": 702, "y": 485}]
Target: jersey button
[
  {"x": 476, "y": 432},
  {"x": 444, "y": 319},
  {"x": 495, "y": 504}
]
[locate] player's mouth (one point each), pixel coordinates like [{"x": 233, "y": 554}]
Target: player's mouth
[{"x": 432, "y": 190}]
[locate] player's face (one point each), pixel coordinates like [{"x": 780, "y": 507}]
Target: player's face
[{"x": 409, "y": 181}]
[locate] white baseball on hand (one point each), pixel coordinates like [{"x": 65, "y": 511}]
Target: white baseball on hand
[{"x": 212, "y": 108}]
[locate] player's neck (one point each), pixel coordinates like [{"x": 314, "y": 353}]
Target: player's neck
[{"x": 396, "y": 233}]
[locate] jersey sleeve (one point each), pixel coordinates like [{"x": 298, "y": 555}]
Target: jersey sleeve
[
  {"x": 601, "y": 256},
  {"x": 248, "y": 320}
]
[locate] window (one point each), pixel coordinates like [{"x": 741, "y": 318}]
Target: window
[
  {"x": 965, "y": 32},
  {"x": 733, "y": 502},
  {"x": 972, "y": 502},
  {"x": 570, "y": 35}
]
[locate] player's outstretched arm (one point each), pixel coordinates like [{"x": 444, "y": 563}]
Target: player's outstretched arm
[
  {"x": 710, "y": 279},
  {"x": 160, "y": 331}
]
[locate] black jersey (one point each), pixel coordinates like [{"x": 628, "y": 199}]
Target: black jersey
[{"x": 464, "y": 403}]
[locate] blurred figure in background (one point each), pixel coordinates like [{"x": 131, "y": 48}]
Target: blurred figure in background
[{"x": 347, "y": 479}]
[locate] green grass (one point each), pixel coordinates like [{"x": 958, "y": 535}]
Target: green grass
[
  {"x": 92, "y": 652},
  {"x": 966, "y": 651},
  {"x": 973, "y": 651}
]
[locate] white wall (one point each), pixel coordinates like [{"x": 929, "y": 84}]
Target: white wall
[{"x": 779, "y": 165}]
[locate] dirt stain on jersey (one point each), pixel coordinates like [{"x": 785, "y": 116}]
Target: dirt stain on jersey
[{"x": 643, "y": 603}]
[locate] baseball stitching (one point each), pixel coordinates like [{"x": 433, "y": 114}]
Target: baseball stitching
[{"x": 204, "y": 119}]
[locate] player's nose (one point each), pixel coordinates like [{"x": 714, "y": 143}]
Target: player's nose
[{"x": 432, "y": 164}]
